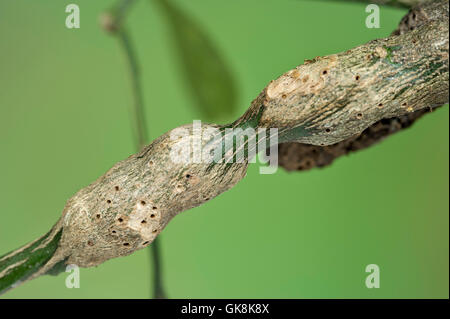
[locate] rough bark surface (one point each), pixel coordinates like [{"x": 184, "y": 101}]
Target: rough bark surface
[
  {"x": 300, "y": 157},
  {"x": 396, "y": 3},
  {"x": 322, "y": 102}
]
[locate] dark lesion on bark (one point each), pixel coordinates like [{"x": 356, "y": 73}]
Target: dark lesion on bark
[{"x": 301, "y": 157}]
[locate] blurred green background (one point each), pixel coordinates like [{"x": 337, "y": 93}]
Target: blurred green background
[{"x": 64, "y": 97}]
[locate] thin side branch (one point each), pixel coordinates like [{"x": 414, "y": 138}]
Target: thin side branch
[
  {"x": 322, "y": 102},
  {"x": 115, "y": 25}
]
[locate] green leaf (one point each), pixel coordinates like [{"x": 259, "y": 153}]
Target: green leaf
[{"x": 205, "y": 70}]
